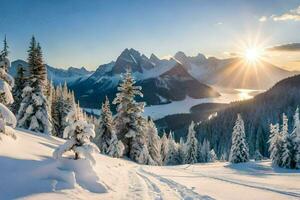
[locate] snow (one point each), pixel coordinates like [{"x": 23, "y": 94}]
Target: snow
[
  {"x": 9, "y": 117},
  {"x": 176, "y": 107},
  {"x": 28, "y": 171}
]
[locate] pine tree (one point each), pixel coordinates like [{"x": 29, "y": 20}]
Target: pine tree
[
  {"x": 182, "y": 149},
  {"x": 6, "y": 98},
  {"x": 115, "y": 147},
  {"x": 173, "y": 153},
  {"x": 295, "y": 139},
  {"x": 191, "y": 146},
  {"x": 79, "y": 133},
  {"x": 5, "y": 51},
  {"x": 286, "y": 144},
  {"x": 3, "y": 56},
  {"x": 212, "y": 156},
  {"x": 154, "y": 145},
  {"x": 239, "y": 149},
  {"x": 204, "y": 150},
  {"x": 258, "y": 156},
  {"x": 275, "y": 142},
  {"x": 223, "y": 157},
  {"x": 20, "y": 82},
  {"x": 34, "y": 109},
  {"x": 106, "y": 127},
  {"x": 62, "y": 103},
  {"x": 130, "y": 124},
  {"x": 164, "y": 148}
]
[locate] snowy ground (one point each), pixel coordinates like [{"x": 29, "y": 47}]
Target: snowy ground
[{"x": 29, "y": 172}]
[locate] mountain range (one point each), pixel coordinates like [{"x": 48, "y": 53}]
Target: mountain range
[
  {"x": 164, "y": 80},
  {"x": 57, "y": 75}
]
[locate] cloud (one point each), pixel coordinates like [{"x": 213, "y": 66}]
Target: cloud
[
  {"x": 286, "y": 47},
  {"x": 293, "y": 15},
  {"x": 263, "y": 19},
  {"x": 231, "y": 54}
]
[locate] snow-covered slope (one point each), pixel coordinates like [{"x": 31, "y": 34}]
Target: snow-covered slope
[{"x": 28, "y": 171}]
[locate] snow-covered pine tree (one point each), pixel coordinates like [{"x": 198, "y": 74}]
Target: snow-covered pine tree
[
  {"x": 275, "y": 144},
  {"x": 154, "y": 144},
  {"x": 295, "y": 139},
  {"x": 20, "y": 82},
  {"x": 239, "y": 151},
  {"x": 115, "y": 147},
  {"x": 286, "y": 144},
  {"x": 212, "y": 156},
  {"x": 203, "y": 152},
  {"x": 257, "y": 155},
  {"x": 191, "y": 151},
  {"x": 164, "y": 148},
  {"x": 79, "y": 133},
  {"x": 181, "y": 149},
  {"x": 173, "y": 153},
  {"x": 129, "y": 122},
  {"x": 4, "y": 55},
  {"x": 34, "y": 109},
  {"x": 6, "y": 98},
  {"x": 106, "y": 127},
  {"x": 49, "y": 95},
  {"x": 223, "y": 157},
  {"x": 56, "y": 114},
  {"x": 62, "y": 103}
]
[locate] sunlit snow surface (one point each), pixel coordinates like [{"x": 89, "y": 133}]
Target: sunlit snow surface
[{"x": 28, "y": 171}]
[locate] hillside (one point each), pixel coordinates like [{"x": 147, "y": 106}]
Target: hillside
[
  {"x": 28, "y": 171},
  {"x": 257, "y": 113}
]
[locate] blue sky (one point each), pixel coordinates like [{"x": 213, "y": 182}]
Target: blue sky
[{"x": 93, "y": 32}]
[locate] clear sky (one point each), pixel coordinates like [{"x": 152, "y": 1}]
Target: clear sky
[{"x": 92, "y": 32}]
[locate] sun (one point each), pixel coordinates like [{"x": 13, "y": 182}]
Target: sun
[{"x": 253, "y": 54}]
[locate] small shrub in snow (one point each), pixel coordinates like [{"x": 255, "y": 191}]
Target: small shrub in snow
[{"x": 79, "y": 133}]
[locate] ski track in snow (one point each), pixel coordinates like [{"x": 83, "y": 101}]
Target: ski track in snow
[
  {"x": 184, "y": 192},
  {"x": 246, "y": 184},
  {"x": 154, "y": 190}
]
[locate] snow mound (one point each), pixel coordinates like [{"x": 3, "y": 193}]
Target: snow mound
[{"x": 9, "y": 117}]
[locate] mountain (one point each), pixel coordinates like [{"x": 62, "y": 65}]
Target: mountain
[
  {"x": 232, "y": 72},
  {"x": 163, "y": 81},
  {"x": 55, "y": 74}
]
